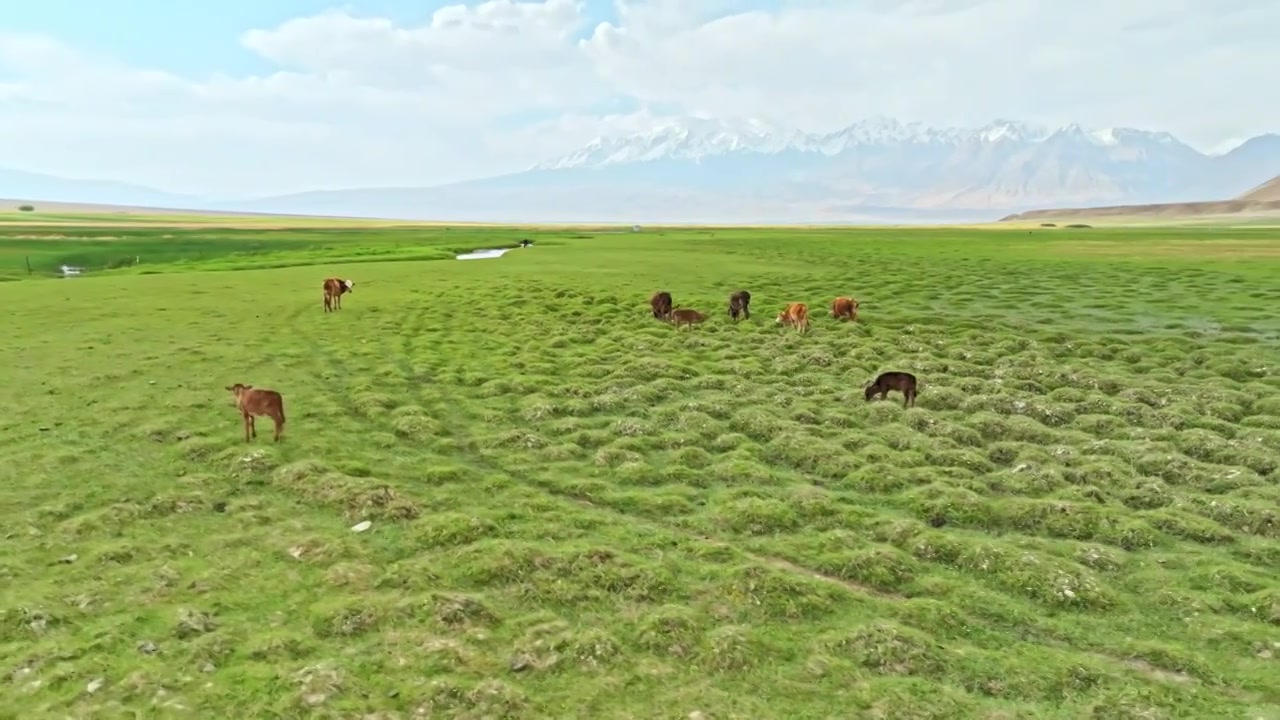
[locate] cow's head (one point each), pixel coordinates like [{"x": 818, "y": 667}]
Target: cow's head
[
  {"x": 350, "y": 285},
  {"x": 239, "y": 389}
]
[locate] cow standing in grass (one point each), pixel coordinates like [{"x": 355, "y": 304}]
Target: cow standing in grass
[
  {"x": 686, "y": 317},
  {"x": 661, "y": 304},
  {"x": 796, "y": 315},
  {"x": 903, "y": 382},
  {"x": 740, "y": 305},
  {"x": 333, "y": 290},
  {"x": 844, "y": 307},
  {"x": 252, "y": 401}
]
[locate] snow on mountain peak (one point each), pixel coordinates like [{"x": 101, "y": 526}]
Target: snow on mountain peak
[
  {"x": 1012, "y": 130},
  {"x": 1105, "y": 136},
  {"x": 694, "y": 138}
]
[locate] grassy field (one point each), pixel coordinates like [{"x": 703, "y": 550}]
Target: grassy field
[{"x": 578, "y": 512}]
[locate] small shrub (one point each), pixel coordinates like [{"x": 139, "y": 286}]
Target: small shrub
[
  {"x": 1189, "y": 527},
  {"x": 887, "y": 648},
  {"x": 671, "y": 630}
]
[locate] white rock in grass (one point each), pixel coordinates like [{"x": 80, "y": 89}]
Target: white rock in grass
[{"x": 362, "y": 526}]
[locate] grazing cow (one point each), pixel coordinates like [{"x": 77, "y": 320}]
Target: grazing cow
[
  {"x": 844, "y": 307},
  {"x": 740, "y": 305},
  {"x": 796, "y": 315},
  {"x": 661, "y": 304},
  {"x": 333, "y": 290},
  {"x": 255, "y": 401},
  {"x": 686, "y": 317},
  {"x": 903, "y": 382}
]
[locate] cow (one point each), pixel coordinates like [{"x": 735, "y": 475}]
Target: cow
[
  {"x": 740, "y": 305},
  {"x": 333, "y": 290},
  {"x": 661, "y": 304},
  {"x": 796, "y": 315},
  {"x": 686, "y": 317},
  {"x": 252, "y": 401},
  {"x": 844, "y": 307},
  {"x": 903, "y": 382}
]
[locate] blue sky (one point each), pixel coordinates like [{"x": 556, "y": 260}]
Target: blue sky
[
  {"x": 239, "y": 97},
  {"x": 202, "y": 38}
]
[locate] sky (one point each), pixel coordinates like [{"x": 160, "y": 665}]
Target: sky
[{"x": 239, "y": 98}]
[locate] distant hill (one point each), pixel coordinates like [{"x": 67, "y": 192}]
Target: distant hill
[
  {"x": 1155, "y": 211},
  {"x": 64, "y": 213},
  {"x": 1263, "y": 200},
  {"x": 46, "y": 206},
  {"x": 1268, "y": 191},
  {"x": 696, "y": 170},
  {"x": 38, "y": 187},
  {"x": 708, "y": 171}
]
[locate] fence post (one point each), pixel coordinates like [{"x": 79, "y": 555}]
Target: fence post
[{"x": 28, "y": 259}]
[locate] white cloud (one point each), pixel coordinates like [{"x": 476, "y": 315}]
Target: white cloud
[
  {"x": 1179, "y": 65},
  {"x": 362, "y": 101}
]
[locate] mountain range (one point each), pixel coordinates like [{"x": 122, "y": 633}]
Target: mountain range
[{"x": 707, "y": 170}]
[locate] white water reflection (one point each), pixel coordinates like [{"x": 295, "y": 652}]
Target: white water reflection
[{"x": 483, "y": 254}]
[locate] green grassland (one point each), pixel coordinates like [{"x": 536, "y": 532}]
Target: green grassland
[{"x": 579, "y": 512}]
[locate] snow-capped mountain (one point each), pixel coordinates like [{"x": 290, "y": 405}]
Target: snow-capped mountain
[
  {"x": 713, "y": 170},
  {"x": 696, "y": 138}
]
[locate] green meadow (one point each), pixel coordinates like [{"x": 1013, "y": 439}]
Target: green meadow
[{"x": 576, "y": 511}]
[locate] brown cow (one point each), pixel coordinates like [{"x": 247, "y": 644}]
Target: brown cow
[
  {"x": 796, "y": 315},
  {"x": 333, "y": 290},
  {"x": 252, "y": 401},
  {"x": 661, "y": 304},
  {"x": 903, "y": 382},
  {"x": 844, "y": 307},
  {"x": 686, "y": 317},
  {"x": 740, "y": 305}
]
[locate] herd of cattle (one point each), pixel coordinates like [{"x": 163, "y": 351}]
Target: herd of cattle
[
  {"x": 251, "y": 401},
  {"x": 794, "y": 315}
]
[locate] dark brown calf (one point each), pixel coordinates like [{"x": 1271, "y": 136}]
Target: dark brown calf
[
  {"x": 252, "y": 401},
  {"x": 844, "y": 307},
  {"x": 661, "y": 304},
  {"x": 333, "y": 290},
  {"x": 903, "y": 382},
  {"x": 740, "y": 305},
  {"x": 686, "y": 317}
]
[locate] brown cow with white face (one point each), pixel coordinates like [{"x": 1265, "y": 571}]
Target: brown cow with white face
[
  {"x": 333, "y": 290},
  {"x": 796, "y": 315}
]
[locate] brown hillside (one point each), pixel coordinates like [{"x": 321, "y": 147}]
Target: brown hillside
[
  {"x": 1268, "y": 191},
  {"x": 1163, "y": 211}
]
